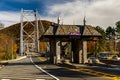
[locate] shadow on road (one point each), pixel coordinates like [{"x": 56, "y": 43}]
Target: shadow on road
[{"x": 56, "y": 70}]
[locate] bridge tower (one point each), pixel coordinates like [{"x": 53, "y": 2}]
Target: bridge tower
[{"x": 29, "y": 39}]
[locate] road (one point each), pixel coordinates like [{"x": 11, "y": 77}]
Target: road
[
  {"x": 64, "y": 73},
  {"x": 22, "y": 70},
  {"x": 31, "y": 68}
]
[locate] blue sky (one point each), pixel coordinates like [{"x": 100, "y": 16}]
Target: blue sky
[
  {"x": 102, "y": 13},
  {"x": 16, "y": 5},
  {"x": 41, "y": 5}
]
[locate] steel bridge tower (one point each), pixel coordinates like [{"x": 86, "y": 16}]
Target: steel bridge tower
[{"x": 29, "y": 39}]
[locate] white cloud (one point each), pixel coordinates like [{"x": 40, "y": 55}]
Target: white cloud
[
  {"x": 98, "y": 12},
  {"x": 9, "y": 18},
  {"x": 102, "y": 13}
]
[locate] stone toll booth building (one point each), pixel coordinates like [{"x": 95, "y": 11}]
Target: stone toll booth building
[{"x": 78, "y": 35}]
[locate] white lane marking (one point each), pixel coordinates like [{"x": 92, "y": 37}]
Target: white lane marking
[
  {"x": 43, "y": 70},
  {"x": 5, "y": 79}
]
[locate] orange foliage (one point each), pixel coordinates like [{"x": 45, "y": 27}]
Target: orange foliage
[
  {"x": 90, "y": 46},
  {"x": 43, "y": 46}
]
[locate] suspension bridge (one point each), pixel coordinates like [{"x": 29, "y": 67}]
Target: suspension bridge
[{"x": 29, "y": 41}]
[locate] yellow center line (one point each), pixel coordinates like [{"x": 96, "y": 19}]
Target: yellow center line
[
  {"x": 95, "y": 73},
  {"x": 40, "y": 58}
]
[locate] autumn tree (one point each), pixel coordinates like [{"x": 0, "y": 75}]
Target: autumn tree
[
  {"x": 101, "y": 44},
  {"x": 8, "y": 47},
  {"x": 110, "y": 34}
]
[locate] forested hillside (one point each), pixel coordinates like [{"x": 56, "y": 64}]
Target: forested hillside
[{"x": 10, "y": 38}]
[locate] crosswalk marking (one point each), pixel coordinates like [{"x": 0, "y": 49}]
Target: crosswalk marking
[
  {"x": 40, "y": 79},
  {"x": 22, "y": 79}
]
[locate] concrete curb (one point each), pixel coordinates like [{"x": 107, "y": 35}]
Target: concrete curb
[
  {"x": 3, "y": 63},
  {"x": 20, "y": 58},
  {"x": 69, "y": 65}
]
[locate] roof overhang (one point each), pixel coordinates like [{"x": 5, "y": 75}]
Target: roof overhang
[
  {"x": 70, "y": 32},
  {"x": 47, "y": 38}
]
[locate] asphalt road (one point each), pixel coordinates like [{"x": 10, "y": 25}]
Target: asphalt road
[
  {"x": 31, "y": 68},
  {"x": 64, "y": 73},
  {"x": 22, "y": 70}
]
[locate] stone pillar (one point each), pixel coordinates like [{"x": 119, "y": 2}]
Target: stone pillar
[
  {"x": 77, "y": 50},
  {"x": 53, "y": 51},
  {"x": 84, "y": 55},
  {"x": 58, "y": 51}
]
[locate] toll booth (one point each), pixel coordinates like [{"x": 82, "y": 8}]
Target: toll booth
[{"x": 77, "y": 35}]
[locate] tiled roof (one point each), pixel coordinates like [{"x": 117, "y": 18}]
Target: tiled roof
[
  {"x": 90, "y": 31},
  {"x": 67, "y": 29},
  {"x": 71, "y": 30},
  {"x": 49, "y": 31}
]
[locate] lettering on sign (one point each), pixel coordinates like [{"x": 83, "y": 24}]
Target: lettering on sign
[{"x": 75, "y": 33}]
